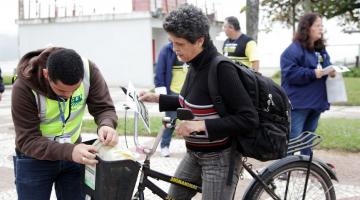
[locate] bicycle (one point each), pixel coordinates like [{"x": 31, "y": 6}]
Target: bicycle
[{"x": 282, "y": 179}]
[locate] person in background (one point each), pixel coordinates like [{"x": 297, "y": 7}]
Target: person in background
[
  {"x": 239, "y": 47},
  {"x": 208, "y": 154},
  {"x": 2, "y": 88},
  {"x": 169, "y": 79},
  {"x": 49, "y": 98},
  {"x": 302, "y": 75}
]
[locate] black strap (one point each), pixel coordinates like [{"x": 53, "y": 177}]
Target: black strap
[
  {"x": 213, "y": 85},
  {"x": 231, "y": 163}
]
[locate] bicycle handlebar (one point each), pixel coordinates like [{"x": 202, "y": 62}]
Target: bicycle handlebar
[{"x": 182, "y": 114}]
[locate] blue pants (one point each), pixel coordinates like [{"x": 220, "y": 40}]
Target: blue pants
[
  {"x": 303, "y": 120},
  {"x": 34, "y": 179},
  {"x": 210, "y": 170}
]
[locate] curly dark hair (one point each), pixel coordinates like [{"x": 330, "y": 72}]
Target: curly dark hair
[
  {"x": 188, "y": 22},
  {"x": 303, "y": 33},
  {"x": 65, "y": 65}
]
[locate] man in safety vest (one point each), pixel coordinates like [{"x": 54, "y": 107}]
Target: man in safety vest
[
  {"x": 49, "y": 97},
  {"x": 239, "y": 47}
]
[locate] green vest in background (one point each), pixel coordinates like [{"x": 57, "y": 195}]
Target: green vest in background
[{"x": 73, "y": 109}]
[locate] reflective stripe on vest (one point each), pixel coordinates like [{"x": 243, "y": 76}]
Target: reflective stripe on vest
[
  {"x": 51, "y": 125},
  {"x": 243, "y": 60}
]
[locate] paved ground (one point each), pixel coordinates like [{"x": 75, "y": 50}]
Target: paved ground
[{"x": 347, "y": 164}]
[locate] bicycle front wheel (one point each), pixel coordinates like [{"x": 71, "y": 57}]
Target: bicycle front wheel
[{"x": 288, "y": 182}]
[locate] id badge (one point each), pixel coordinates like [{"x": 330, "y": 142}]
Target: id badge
[{"x": 63, "y": 140}]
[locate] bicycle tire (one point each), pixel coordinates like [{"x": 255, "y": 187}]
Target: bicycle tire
[{"x": 319, "y": 183}]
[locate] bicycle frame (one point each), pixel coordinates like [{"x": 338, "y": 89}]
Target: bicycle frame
[
  {"x": 146, "y": 183},
  {"x": 147, "y": 172},
  {"x": 296, "y": 144}
]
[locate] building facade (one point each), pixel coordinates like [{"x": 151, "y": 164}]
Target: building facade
[{"x": 124, "y": 46}]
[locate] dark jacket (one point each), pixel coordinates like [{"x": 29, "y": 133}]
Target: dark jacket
[
  {"x": 2, "y": 88},
  {"x": 164, "y": 66},
  {"x": 25, "y": 112},
  {"x": 299, "y": 80},
  {"x": 195, "y": 95}
]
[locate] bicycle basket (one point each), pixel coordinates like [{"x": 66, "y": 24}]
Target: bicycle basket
[{"x": 110, "y": 180}]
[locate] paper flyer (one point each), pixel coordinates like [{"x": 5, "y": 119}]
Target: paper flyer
[
  {"x": 337, "y": 68},
  {"x": 133, "y": 102}
]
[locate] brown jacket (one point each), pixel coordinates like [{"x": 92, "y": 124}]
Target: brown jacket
[{"x": 25, "y": 112}]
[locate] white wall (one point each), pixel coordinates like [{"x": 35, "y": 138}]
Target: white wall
[
  {"x": 161, "y": 38},
  {"x": 122, "y": 49},
  {"x": 120, "y": 45}
]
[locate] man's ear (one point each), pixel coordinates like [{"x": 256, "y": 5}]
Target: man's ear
[{"x": 45, "y": 73}]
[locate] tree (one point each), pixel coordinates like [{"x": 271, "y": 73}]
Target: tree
[
  {"x": 252, "y": 18},
  {"x": 289, "y": 11}
]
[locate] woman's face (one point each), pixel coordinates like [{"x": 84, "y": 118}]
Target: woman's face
[
  {"x": 316, "y": 30},
  {"x": 184, "y": 49}
]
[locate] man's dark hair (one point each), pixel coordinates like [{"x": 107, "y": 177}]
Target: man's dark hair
[
  {"x": 303, "y": 33},
  {"x": 233, "y": 21},
  {"x": 65, "y": 65},
  {"x": 188, "y": 22}
]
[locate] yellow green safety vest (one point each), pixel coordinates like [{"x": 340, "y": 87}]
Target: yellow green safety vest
[{"x": 51, "y": 122}]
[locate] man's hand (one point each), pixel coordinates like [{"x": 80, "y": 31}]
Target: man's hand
[
  {"x": 185, "y": 128},
  {"x": 84, "y": 154},
  {"x": 149, "y": 97},
  {"x": 108, "y": 135}
]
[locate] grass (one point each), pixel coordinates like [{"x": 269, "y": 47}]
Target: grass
[
  {"x": 339, "y": 134},
  {"x": 7, "y": 79},
  {"x": 352, "y": 89},
  {"x": 155, "y": 122}
]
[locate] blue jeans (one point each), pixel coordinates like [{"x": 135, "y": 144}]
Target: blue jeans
[
  {"x": 210, "y": 170},
  {"x": 303, "y": 120},
  {"x": 166, "y": 138},
  {"x": 34, "y": 179}
]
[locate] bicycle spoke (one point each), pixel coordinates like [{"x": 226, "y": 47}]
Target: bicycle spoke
[{"x": 316, "y": 189}]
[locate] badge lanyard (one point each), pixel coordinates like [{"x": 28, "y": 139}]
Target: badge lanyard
[{"x": 62, "y": 109}]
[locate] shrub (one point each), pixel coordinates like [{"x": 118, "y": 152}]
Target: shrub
[
  {"x": 354, "y": 72},
  {"x": 7, "y": 80},
  {"x": 277, "y": 75}
]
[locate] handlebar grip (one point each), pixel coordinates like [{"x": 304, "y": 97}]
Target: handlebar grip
[{"x": 194, "y": 133}]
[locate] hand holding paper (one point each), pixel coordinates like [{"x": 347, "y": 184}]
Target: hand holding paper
[{"x": 337, "y": 68}]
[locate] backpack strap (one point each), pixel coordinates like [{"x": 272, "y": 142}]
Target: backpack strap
[{"x": 213, "y": 85}]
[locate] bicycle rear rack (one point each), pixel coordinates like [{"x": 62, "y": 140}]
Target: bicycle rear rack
[{"x": 306, "y": 139}]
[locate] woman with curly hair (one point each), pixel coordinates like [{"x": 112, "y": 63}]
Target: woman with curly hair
[
  {"x": 303, "y": 77},
  {"x": 209, "y": 152}
]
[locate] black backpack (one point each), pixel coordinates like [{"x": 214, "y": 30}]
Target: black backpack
[{"x": 270, "y": 140}]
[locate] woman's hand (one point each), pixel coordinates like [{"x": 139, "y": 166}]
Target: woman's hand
[
  {"x": 319, "y": 73},
  {"x": 185, "y": 128},
  {"x": 332, "y": 74},
  {"x": 149, "y": 97}
]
